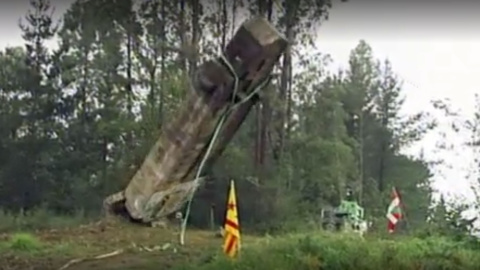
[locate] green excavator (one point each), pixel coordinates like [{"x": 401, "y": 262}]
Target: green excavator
[{"x": 348, "y": 216}]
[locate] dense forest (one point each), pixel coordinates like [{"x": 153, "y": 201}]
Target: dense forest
[{"x": 77, "y": 120}]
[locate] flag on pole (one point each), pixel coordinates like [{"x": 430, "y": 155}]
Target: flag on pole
[
  {"x": 232, "y": 227},
  {"x": 394, "y": 212}
]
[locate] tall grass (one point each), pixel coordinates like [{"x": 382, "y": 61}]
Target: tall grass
[
  {"x": 38, "y": 219},
  {"x": 343, "y": 252}
]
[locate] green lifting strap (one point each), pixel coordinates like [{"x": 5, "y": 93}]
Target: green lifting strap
[{"x": 231, "y": 106}]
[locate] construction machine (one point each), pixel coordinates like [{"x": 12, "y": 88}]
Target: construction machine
[
  {"x": 224, "y": 90},
  {"x": 348, "y": 216}
]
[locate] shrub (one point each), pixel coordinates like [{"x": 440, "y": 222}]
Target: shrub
[{"x": 23, "y": 242}]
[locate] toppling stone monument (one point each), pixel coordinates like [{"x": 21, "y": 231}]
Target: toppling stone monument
[{"x": 224, "y": 91}]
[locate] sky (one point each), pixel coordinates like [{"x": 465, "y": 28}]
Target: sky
[{"x": 433, "y": 50}]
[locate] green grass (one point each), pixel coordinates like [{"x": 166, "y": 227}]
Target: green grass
[
  {"x": 344, "y": 252},
  {"x": 29, "y": 245},
  {"x": 23, "y": 242},
  {"x": 62, "y": 240},
  {"x": 39, "y": 219}
]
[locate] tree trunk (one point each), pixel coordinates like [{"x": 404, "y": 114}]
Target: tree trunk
[
  {"x": 129, "y": 82},
  {"x": 181, "y": 33},
  {"x": 193, "y": 59},
  {"x": 263, "y": 110},
  {"x": 162, "y": 64},
  {"x": 285, "y": 79}
]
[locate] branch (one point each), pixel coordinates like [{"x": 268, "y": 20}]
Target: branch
[{"x": 99, "y": 257}]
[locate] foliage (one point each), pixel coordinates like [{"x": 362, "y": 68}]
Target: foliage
[
  {"x": 318, "y": 250},
  {"x": 449, "y": 220},
  {"x": 24, "y": 242},
  {"x": 79, "y": 118}
]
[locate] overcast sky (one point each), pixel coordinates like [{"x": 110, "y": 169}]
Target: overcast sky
[{"x": 433, "y": 49}]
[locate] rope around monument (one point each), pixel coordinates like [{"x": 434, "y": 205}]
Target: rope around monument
[{"x": 230, "y": 107}]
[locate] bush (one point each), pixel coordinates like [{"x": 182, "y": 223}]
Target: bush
[
  {"x": 24, "y": 242},
  {"x": 344, "y": 252}
]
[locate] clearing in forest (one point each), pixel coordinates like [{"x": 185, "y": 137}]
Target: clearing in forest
[{"x": 127, "y": 246}]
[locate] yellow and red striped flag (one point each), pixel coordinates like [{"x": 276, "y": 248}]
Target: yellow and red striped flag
[{"x": 231, "y": 243}]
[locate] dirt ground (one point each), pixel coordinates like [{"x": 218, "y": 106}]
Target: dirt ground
[{"x": 126, "y": 246}]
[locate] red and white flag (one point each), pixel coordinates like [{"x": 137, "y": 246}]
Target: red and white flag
[{"x": 394, "y": 212}]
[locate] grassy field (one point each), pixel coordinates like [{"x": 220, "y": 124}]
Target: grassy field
[
  {"x": 131, "y": 247},
  {"x": 138, "y": 247}
]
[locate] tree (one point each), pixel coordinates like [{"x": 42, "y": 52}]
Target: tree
[
  {"x": 83, "y": 116},
  {"x": 36, "y": 99},
  {"x": 448, "y": 219},
  {"x": 361, "y": 84},
  {"x": 13, "y": 155}
]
